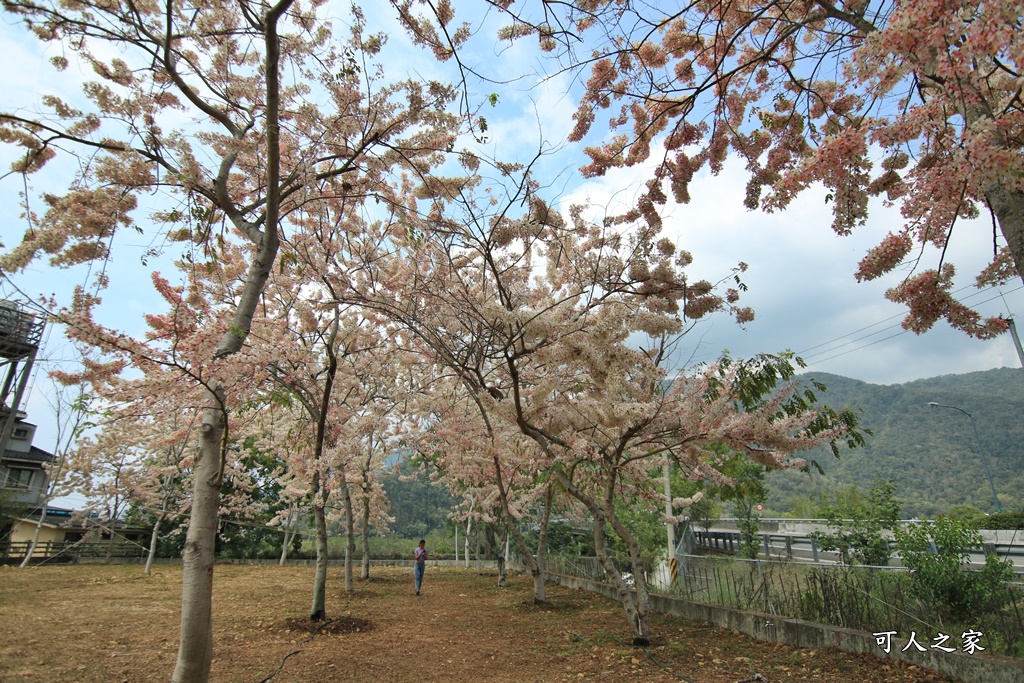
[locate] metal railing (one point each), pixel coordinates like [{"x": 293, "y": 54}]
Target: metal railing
[
  {"x": 18, "y": 329},
  {"x": 70, "y": 551},
  {"x": 804, "y": 548}
]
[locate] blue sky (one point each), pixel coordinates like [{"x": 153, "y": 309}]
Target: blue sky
[{"x": 800, "y": 276}]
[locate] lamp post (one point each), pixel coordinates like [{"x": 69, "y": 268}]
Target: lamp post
[{"x": 981, "y": 451}]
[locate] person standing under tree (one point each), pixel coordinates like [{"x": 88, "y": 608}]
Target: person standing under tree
[{"x": 420, "y": 555}]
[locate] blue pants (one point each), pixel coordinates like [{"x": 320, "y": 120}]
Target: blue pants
[{"x": 420, "y": 566}]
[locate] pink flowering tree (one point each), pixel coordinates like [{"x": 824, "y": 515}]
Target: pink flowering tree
[
  {"x": 109, "y": 469},
  {"x": 311, "y": 346},
  {"x": 164, "y": 497},
  {"x": 917, "y": 103},
  {"x": 531, "y": 314},
  {"x": 382, "y": 381},
  {"x": 277, "y": 436},
  {"x": 390, "y": 379},
  {"x": 163, "y": 437},
  {"x": 336, "y": 366},
  {"x": 473, "y": 461},
  {"x": 144, "y": 415},
  {"x": 308, "y": 372},
  {"x": 206, "y": 126},
  {"x": 560, "y": 330},
  {"x": 611, "y": 445}
]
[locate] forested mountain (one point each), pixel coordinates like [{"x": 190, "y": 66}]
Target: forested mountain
[
  {"x": 418, "y": 505},
  {"x": 931, "y": 452}
]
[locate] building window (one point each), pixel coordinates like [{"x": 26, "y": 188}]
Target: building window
[
  {"x": 20, "y": 433},
  {"x": 18, "y": 478}
]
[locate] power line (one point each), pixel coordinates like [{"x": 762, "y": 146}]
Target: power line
[
  {"x": 877, "y": 332},
  {"x": 901, "y": 315},
  {"x": 859, "y": 348},
  {"x": 806, "y": 356},
  {"x": 840, "y": 338}
]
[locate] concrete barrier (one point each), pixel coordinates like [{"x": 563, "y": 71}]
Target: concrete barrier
[{"x": 976, "y": 668}]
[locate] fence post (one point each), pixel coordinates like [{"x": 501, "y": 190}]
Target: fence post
[
  {"x": 767, "y": 547},
  {"x": 789, "y": 547},
  {"x": 814, "y": 548}
]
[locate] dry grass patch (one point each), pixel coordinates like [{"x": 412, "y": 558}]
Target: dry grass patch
[{"x": 96, "y": 624}]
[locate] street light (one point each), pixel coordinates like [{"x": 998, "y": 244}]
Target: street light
[{"x": 981, "y": 451}]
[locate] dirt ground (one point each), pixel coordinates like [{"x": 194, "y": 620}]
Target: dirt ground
[{"x": 112, "y": 623}]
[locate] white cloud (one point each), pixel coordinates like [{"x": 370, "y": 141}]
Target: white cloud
[{"x": 802, "y": 286}]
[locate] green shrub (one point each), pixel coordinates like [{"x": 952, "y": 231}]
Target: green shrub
[
  {"x": 1003, "y": 520},
  {"x": 968, "y": 513},
  {"x": 938, "y": 575},
  {"x": 646, "y": 527},
  {"x": 858, "y": 530},
  {"x": 564, "y": 539}
]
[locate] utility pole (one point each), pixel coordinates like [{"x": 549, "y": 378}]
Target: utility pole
[{"x": 1016, "y": 340}]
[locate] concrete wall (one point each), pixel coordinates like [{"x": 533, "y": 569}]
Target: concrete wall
[
  {"x": 23, "y": 530},
  {"x": 976, "y": 668}
]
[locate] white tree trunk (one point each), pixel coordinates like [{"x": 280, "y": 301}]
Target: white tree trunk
[
  {"x": 54, "y": 481},
  {"x": 479, "y": 554},
  {"x": 640, "y": 618},
  {"x": 539, "y": 593},
  {"x": 290, "y": 528},
  {"x": 512, "y": 526},
  {"x": 168, "y": 479},
  {"x": 350, "y": 540},
  {"x": 638, "y": 622},
  {"x": 636, "y": 605},
  {"x": 152, "y": 545},
  {"x": 35, "y": 535},
  {"x": 195, "y": 649},
  {"x": 545, "y": 522},
  {"x": 502, "y": 559},
  {"x": 318, "y": 610},
  {"x": 366, "y": 537}
]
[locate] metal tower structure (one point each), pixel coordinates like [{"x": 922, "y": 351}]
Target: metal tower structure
[{"x": 20, "y": 335}]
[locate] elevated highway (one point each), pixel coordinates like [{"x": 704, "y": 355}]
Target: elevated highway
[{"x": 794, "y": 539}]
